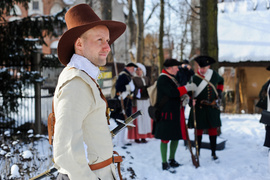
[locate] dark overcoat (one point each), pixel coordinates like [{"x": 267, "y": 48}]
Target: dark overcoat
[
  {"x": 124, "y": 79},
  {"x": 140, "y": 86},
  {"x": 206, "y": 116},
  {"x": 168, "y": 127},
  {"x": 267, "y": 128}
]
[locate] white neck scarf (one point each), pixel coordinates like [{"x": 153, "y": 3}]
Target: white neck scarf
[{"x": 81, "y": 63}]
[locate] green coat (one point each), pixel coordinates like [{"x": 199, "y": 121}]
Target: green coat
[
  {"x": 206, "y": 116},
  {"x": 168, "y": 128}
]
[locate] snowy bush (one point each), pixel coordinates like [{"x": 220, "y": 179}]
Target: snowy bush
[{"x": 24, "y": 156}]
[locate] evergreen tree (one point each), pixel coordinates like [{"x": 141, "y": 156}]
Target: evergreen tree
[{"x": 19, "y": 40}]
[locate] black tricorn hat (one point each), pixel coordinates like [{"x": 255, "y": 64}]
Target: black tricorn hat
[
  {"x": 185, "y": 61},
  {"x": 171, "y": 62},
  {"x": 131, "y": 65},
  {"x": 204, "y": 60}
]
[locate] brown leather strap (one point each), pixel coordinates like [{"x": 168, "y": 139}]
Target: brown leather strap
[
  {"x": 104, "y": 98},
  {"x": 101, "y": 164},
  {"x": 118, "y": 159},
  {"x": 114, "y": 159},
  {"x": 107, "y": 112},
  {"x": 50, "y": 124}
]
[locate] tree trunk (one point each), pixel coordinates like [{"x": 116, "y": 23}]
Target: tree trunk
[
  {"x": 131, "y": 25},
  {"x": 208, "y": 21},
  {"x": 106, "y": 14},
  {"x": 140, "y": 31},
  {"x": 195, "y": 29},
  {"x": 106, "y": 9},
  {"x": 161, "y": 34}
]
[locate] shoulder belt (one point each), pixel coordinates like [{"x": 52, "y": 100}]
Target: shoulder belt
[
  {"x": 172, "y": 78},
  {"x": 204, "y": 82}
]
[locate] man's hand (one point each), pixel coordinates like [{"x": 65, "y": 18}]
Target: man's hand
[{"x": 191, "y": 87}]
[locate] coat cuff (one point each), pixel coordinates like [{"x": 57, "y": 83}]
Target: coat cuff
[
  {"x": 182, "y": 90},
  {"x": 220, "y": 87}
]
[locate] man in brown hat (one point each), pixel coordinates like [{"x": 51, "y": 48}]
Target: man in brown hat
[{"x": 82, "y": 144}]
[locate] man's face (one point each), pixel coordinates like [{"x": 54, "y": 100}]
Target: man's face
[
  {"x": 94, "y": 45},
  {"x": 173, "y": 70},
  {"x": 203, "y": 70},
  {"x": 131, "y": 69}
]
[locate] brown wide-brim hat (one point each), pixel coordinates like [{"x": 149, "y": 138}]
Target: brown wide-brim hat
[{"x": 79, "y": 19}]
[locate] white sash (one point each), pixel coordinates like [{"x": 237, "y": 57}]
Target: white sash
[{"x": 203, "y": 84}]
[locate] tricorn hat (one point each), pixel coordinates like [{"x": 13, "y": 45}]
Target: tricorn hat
[
  {"x": 79, "y": 19},
  {"x": 171, "y": 62},
  {"x": 185, "y": 61},
  {"x": 204, "y": 60}
]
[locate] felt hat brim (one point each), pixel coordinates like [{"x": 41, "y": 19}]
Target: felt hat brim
[{"x": 80, "y": 19}]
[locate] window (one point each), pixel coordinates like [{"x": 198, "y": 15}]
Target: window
[{"x": 35, "y": 5}]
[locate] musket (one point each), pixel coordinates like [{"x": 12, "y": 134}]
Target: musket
[
  {"x": 193, "y": 158},
  {"x": 116, "y": 130},
  {"x": 195, "y": 128}
]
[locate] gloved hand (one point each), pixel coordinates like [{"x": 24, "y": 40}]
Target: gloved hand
[
  {"x": 219, "y": 93},
  {"x": 185, "y": 99},
  {"x": 191, "y": 87}
]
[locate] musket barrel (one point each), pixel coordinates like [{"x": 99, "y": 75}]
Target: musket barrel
[{"x": 46, "y": 173}]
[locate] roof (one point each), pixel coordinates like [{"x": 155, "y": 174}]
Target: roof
[{"x": 243, "y": 33}]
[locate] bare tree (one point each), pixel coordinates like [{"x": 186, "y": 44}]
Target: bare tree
[
  {"x": 208, "y": 21},
  {"x": 161, "y": 35},
  {"x": 131, "y": 25},
  {"x": 140, "y": 30}
]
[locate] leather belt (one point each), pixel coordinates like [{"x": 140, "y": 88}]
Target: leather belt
[{"x": 114, "y": 159}]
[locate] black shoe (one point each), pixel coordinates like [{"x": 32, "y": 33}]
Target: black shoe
[
  {"x": 137, "y": 141},
  {"x": 214, "y": 157},
  {"x": 166, "y": 167},
  {"x": 174, "y": 163},
  {"x": 143, "y": 141}
]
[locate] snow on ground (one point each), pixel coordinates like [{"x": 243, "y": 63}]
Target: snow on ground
[{"x": 244, "y": 157}]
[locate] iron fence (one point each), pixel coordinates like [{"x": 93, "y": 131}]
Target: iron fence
[{"x": 25, "y": 117}]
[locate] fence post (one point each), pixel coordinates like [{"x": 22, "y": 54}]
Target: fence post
[{"x": 36, "y": 67}]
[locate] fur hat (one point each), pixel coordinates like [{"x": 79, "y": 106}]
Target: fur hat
[
  {"x": 80, "y": 19},
  {"x": 204, "y": 60}
]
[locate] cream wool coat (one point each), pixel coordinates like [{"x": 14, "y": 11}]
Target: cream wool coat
[{"x": 80, "y": 118}]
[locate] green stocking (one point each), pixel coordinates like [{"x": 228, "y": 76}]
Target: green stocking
[
  {"x": 173, "y": 148},
  {"x": 163, "y": 149}
]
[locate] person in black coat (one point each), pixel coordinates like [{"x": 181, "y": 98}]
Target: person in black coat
[
  {"x": 185, "y": 73},
  {"x": 124, "y": 90},
  {"x": 264, "y": 97}
]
